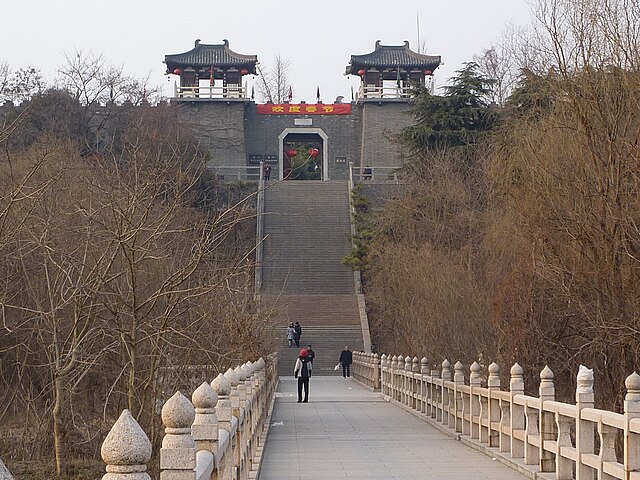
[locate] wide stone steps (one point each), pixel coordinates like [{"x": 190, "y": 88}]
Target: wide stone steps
[
  {"x": 315, "y": 310},
  {"x": 307, "y": 227},
  {"x": 327, "y": 343}
]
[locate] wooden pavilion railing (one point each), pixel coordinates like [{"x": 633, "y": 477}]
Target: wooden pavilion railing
[
  {"x": 539, "y": 436},
  {"x": 207, "y": 92}
]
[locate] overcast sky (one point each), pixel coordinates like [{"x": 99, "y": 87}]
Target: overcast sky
[{"x": 316, "y": 37}]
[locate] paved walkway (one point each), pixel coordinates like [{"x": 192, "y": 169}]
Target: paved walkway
[{"x": 348, "y": 432}]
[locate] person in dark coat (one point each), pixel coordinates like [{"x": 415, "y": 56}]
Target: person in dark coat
[
  {"x": 267, "y": 172},
  {"x": 302, "y": 371},
  {"x": 310, "y": 353},
  {"x": 346, "y": 359},
  {"x": 298, "y": 334}
]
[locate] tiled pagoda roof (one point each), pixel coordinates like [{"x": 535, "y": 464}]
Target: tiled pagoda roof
[
  {"x": 203, "y": 55},
  {"x": 390, "y": 56}
]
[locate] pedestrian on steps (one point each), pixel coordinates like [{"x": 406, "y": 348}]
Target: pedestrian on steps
[
  {"x": 298, "y": 334},
  {"x": 346, "y": 359},
  {"x": 310, "y": 353},
  {"x": 291, "y": 333},
  {"x": 302, "y": 371}
]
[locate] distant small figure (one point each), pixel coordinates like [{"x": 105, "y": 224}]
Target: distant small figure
[
  {"x": 267, "y": 172},
  {"x": 298, "y": 334},
  {"x": 346, "y": 359},
  {"x": 310, "y": 353},
  {"x": 291, "y": 333},
  {"x": 302, "y": 371},
  {"x": 367, "y": 173}
]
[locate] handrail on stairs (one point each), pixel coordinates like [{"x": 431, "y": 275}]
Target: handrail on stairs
[
  {"x": 362, "y": 311},
  {"x": 259, "y": 233}
]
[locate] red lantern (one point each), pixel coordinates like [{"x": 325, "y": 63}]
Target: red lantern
[
  {"x": 244, "y": 71},
  {"x": 291, "y": 153},
  {"x": 314, "y": 152},
  {"x": 428, "y": 72},
  {"x": 361, "y": 72},
  {"x": 177, "y": 71}
]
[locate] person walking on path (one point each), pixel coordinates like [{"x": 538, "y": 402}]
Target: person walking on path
[
  {"x": 291, "y": 333},
  {"x": 310, "y": 353},
  {"x": 298, "y": 334},
  {"x": 346, "y": 359},
  {"x": 302, "y": 371}
]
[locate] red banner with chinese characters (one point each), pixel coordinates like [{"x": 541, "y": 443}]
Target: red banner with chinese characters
[{"x": 304, "y": 109}]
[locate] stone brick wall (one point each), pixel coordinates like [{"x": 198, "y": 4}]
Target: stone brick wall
[
  {"x": 234, "y": 131},
  {"x": 219, "y": 126},
  {"x": 380, "y": 122}
]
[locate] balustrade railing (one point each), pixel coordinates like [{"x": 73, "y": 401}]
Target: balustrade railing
[
  {"x": 217, "y": 435},
  {"x": 387, "y": 91},
  {"x": 376, "y": 175},
  {"x": 207, "y": 92},
  {"x": 236, "y": 173},
  {"x": 547, "y": 438}
]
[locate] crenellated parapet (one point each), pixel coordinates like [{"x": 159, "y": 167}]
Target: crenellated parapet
[{"x": 218, "y": 433}]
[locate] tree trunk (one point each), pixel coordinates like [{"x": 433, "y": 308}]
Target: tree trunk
[{"x": 58, "y": 428}]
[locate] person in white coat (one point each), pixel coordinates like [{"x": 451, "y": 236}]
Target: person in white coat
[{"x": 302, "y": 371}]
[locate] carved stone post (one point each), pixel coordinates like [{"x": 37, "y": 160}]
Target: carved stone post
[
  {"x": 448, "y": 396},
  {"x": 631, "y": 411},
  {"x": 461, "y": 406},
  {"x": 436, "y": 394},
  {"x": 383, "y": 375},
  {"x": 178, "y": 452},
  {"x": 394, "y": 380},
  {"x": 400, "y": 379},
  {"x": 546, "y": 393},
  {"x": 376, "y": 371},
  {"x": 222, "y": 386},
  {"x": 126, "y": 450},
  {"x": 516, "y": 387},
  {"x": 585, "y": 442},
  {"x": 233, "y": 377},
  {"x": 493, "y": 405},
  {"x": 475, "y": 381},
  {"x": 204, "y": 429}
]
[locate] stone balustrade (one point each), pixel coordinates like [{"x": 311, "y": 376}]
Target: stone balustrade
[
  {"x": 538, "y": 436},
  {"x": 218, "y": 434}
]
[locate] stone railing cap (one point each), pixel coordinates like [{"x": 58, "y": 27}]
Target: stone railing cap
[
  {"x": 126, "y": 443},
  {"x": 546, "y": 373},
  {"x": 632, "y": 383},
  {"x": 221, "y": 385},
  {"x": 233, "y": 377},
  {"x": 204, "y": 396},
  {"x": 178, "y": 412}
]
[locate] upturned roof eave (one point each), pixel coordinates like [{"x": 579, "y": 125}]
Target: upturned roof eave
[{"x": 186, "y": 59}]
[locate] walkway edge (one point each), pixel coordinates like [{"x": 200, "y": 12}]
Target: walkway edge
[
  {"x": 254, "y": 474},
  {"x": 529, "y": 471}
]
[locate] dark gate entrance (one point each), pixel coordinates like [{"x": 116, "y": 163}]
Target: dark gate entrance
[{"x": 302, "y": 156}]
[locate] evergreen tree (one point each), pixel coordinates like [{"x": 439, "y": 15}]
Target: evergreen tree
[{"x": 459, "y": 118}]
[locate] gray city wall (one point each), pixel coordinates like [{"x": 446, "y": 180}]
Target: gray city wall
[{"x": 233, "y": 131}]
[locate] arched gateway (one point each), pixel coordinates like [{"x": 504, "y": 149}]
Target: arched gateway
[{"x": 300, "y": 140}]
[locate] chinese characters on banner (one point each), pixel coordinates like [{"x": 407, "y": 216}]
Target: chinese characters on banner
[{"x": 304, "y": 109}]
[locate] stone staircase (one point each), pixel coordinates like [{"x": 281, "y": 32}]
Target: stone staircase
[{"x": 307, "y": 228}]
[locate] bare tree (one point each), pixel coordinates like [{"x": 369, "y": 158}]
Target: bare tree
[{"x": 274, "y": 86}]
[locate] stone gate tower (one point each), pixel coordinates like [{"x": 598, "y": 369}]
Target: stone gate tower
[{"x": 212, "y": 96}]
